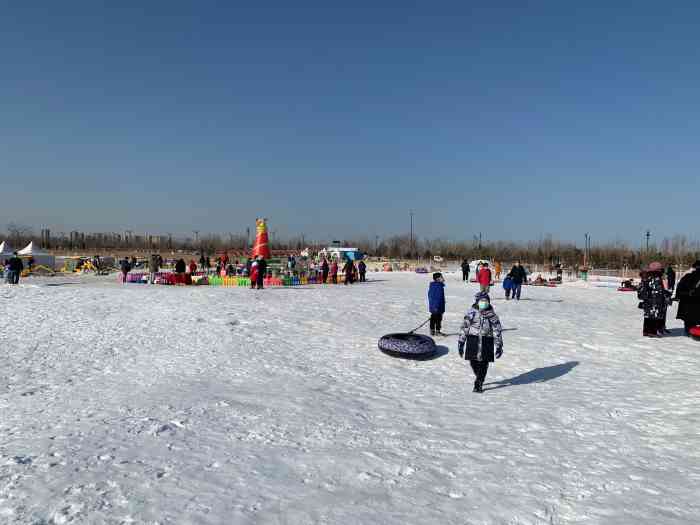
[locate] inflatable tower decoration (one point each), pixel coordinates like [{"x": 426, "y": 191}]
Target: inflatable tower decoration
[{"x": 261, "y": 246}]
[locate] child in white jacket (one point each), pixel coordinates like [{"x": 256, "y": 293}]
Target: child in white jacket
[{"x": 481, "y": 332}]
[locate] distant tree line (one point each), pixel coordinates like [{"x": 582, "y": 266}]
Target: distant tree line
[{"x": 676, "y": 250}]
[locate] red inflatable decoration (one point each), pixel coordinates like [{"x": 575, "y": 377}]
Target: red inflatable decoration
[
  {"x": 695, "y": 332},
  {"x": 261, "y": 246}
]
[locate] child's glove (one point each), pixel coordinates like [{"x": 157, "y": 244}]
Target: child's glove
[
  {"x": 460, "y": 349},
  {"x": 499, "y": 353}
]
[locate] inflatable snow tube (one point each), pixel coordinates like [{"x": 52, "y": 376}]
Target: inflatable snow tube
[
  {"x": 623, "y": 289},
  {"x": 695, "y": 332},
  {"x": 411, "y": 346}
]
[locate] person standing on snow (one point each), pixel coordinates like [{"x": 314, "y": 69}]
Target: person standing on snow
[
  {"x": 254, "y": 272},
  {"x": 262, "y": 272},
  {"x": 153, "y": 268},
  {"x": 688, "y": 297},
  {"x": 518, "y": 276},
  {"x": 334, "y": 272},
  {"x": 498, "y": 270},
  {"x": 436, "y": 303},
  {"x": 508, "y": 286},
  {"x": 654, "y": 299},
  {"x": 324, "y": 270},
  {"x": 16, "y": 266},
  {"x": 480, "y": 339},
  {"x": 125, "y": 267},
  {"x": 465, "y": 271},
  {"x": 362, "y": 270},
  {"x": 349, "y": 270},
  {"x": 671, "y": 278},
  {"x": 484, "y": 277}
]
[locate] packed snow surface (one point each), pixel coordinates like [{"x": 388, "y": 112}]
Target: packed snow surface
[{"x": 156, "y": 404}]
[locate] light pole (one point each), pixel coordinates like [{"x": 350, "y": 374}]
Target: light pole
[
  {"x": 410, "y": 213},
  {"x": 648, "y": 234},
  {"x": 196, "y": 238}
]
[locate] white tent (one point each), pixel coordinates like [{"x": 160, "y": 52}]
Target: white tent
[
  {"x": 31, "y": 249},
  {"x": 40, "y": 256},
  {"x": 5, "y": 250}
]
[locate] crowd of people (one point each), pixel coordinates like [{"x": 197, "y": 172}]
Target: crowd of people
[
  {"x": 257, "y": 268},
  {"x": 656, "y": 295},
  {"x": 481, "y": 340}
]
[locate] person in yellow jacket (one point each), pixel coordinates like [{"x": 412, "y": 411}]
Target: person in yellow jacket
[{"x": 498, "y": 271}]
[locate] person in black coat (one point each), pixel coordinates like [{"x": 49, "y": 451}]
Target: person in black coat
[
  {"x": 362, "y": 270},
  {"x": 16, "y": 267},
  {"x": 688, "y": 297},
  {"x": 518, "y": 276},
  {"x": 262, "y": 272},
  {"x": 465, "y": 270},
  {"x": 671, "y": 278},
  {"x": 325, "y": 268},
  {"x": 180, "y": 266},
  {"x": 349, "y": 270},
  {"x": 125, "y": 267},
  {"x": 654, "y": 301}
]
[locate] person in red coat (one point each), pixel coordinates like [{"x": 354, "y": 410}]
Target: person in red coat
[
  {"x": 254, "y": 274},
  {"x": 334, "y": 272},
  {"x": 484, "y": 278},
  {"x": 193, "y": 266}
]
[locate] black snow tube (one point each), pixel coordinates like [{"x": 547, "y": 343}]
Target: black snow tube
[{"x": 407, "y": 345}]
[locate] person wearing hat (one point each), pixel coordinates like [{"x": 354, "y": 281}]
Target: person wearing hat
[
  {"x": 688, "y": 297},
  {"x": 482, "y": 334},
  {"x": 654, "y": 301},
  {"x": 436, "y": 303}
]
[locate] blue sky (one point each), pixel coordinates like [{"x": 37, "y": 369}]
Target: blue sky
[{"x": 336, "y": 121}]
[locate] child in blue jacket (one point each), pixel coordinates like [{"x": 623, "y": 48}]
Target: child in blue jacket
[{"x": 436, "y": 303}]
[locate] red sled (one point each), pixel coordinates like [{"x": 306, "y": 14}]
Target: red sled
[
  {"x": 623, "y": 289},
  {"x": 695, "y": 332}
]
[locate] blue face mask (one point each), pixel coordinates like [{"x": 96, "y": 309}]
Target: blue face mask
[{"x": 483, "y": 304}]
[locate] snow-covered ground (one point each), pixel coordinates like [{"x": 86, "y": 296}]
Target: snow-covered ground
[{"x": 137, "y": 404}]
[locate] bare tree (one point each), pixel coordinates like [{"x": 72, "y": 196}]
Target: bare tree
[{"x": 19, "y": 233}]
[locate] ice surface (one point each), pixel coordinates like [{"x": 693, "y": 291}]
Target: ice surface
[{"x": 138, "y": 404}]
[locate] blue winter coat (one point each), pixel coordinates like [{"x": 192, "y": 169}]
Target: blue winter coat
[{"x": 436, "y": 298}]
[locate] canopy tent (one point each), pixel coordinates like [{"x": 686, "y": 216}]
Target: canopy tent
[
  {"x": 32, "y": 249},
  {"x": 5, "y": 250},
  {"x": 41, "y": 257}
]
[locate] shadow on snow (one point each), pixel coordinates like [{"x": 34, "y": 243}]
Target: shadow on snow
[{"x": 538, "y": 375}]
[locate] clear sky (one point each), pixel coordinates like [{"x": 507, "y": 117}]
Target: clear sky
[{"x": 335, "y": 121}]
